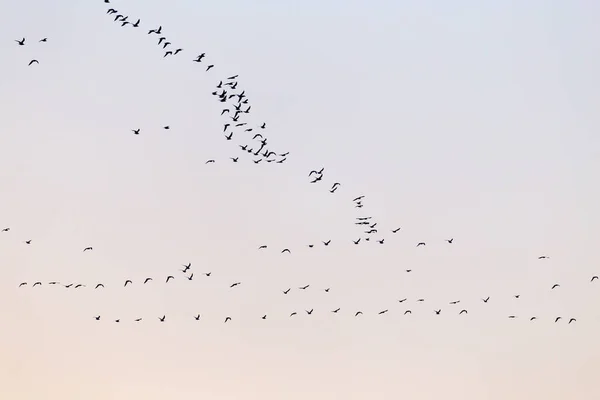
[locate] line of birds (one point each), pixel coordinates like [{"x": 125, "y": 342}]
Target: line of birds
[
  {"x": 336, "y": 311},
  {"x": 234, "y": 110}
]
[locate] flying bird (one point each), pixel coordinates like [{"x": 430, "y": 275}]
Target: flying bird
[
  {"x": 304, "y": 287},
  {"x": 136, "y": 131},
  {"x": 147, "y": 280},
  {"x": 200, "y": 57},
  {"x": 44, "y": 40},
  {"x": 162, "y": 319},
  {"x": 286, "y": 250},
  {"x": 87, "y": 248},
  {"x": 99, "y": 286},
  {"x": 463, "y": 312},
  {"x": 169, "y": 277},
  {"x": 227, "y": 319},
  {"x": 395, "y": 230},
  {"x": 555, "y": 286},
  {"x": 235, "y": 284},
  {"x": 209, "y": 67},
  {"x": 21, "y": 42},
  {"x": 450, "y": 240},
  {"x": 126, "y": 282},
  {"x": 420, "y": 244},
  {"x": 197, "y": 317},
  {"x": 209, "y": 161},
  {"x": 309, "y": 312}
]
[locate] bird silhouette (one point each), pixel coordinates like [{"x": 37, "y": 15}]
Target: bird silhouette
[
  {"x": 147, "y": 280},
  {"x": 21, "y": 42},
  {"x": 33, "y": 62},
  {"x": 197, "y": 317},
  {"x": 227, "y": 319},
  {"x": 286, "y": 251},
  {"x": 304, "y": 287},
  {"x": 395, "y": 230},
  {"x": 126, "y": 282},
  {"x": 463, "y": 312},
  {"x": 162, "y": 319},
  {"x": 309, "y": 312},
  {"x": 420, "y": 244},
  {"x": 87, "y": 249},
  {"x": 169, "y": 278}
]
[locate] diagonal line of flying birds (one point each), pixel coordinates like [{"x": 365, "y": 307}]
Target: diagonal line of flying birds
[{"x": 235, "y": 104}]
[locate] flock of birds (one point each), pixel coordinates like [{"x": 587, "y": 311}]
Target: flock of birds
[{"x": 253, "y": 142}]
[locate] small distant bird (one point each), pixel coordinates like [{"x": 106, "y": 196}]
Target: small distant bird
[
  {"x": 126, "y": 282},
  {"x": 87, "y": 248},
  {"x": 455, "y": 302},
  {"x": 234, "y": 159},
  {"x": 21, "y": 42},
  {"x": 437, "y": 312},
  {"x": 99, "y": 286},
  {"x": 512, "y": 316},
  {"x": 287, "y": 291},
  {"x": 79, "y": 285},
  {"x": 557, "y": 318},
  {"x": 5, "y": 229},
  {"x": 209, "y": 67},
  {"x": 147, "y": 280},
  {"x": 555, "y": 286},
  {"x": 97, "y": 318},
  {"x": 169, "y": 277},
  {"x": 117, "y": 320},
  {"x": 402, "y": 301},
  {"x": 532, "y": 318},
  {"x": 463, "y": 312},
  {"x": 227, "y": 319},
  {"x": 166, "y": 127},
  {"x": 286, "y": 250},
  {"x": 207, "y": 273},
  {"x": 137, "y": 24},
  {"x": 186, "y": 267},
  {"x": 486, "y": 299},
  {"x": 177, "y": 51},
  {"x": 190, "y": 277},
  {"x": 381, "y": 241},
  {"x": 294, "y": 313},
  {"x": 235, "y": 284},
  {"x": 232, "y": 77},
  {"x": 309, "y": 312},
  {"x": 33, "y": 61},
  {"x": 421, "y": 300},
  {"x": 420, "y": 244},
  {"x": 137, "y": 320},
  {"x": 358, "y": 313},
  {"x": 382, "y": 312},
  {"x": 197, "y": 317},
  {"x": 335, "y": 311},
  {"x": 450, "y": 240},
  {"x": 162, "y": 319},
  {"x": 264, "y": 246},
  {"x": 543, "y": 257},
  {"x": 395, "y": 230},
  {"x": 594, "y": 277},
  {"x": 407, "y": 312},
  {"x": 36, "y": 284},
  {"x": 136, "y": 131},
  {"x": 44, "y": 40},
  {"x": 263, "y": 126},
  {"x": 264, "y": 316},
  {"x": 517, "y": 296},
  {"x": 356, "y": 241},
  {"x": 327, "y": 290},
  {"x": 572, "y": 320},
  {"x": 28, "y": 241},
  {"x": 209, "y": 161},
  {"x": 168, "y": 53},
  {"x": 304, "y": 287},
  {"x": 327, "y": 242},
  {"x": 200, "y": 57}
]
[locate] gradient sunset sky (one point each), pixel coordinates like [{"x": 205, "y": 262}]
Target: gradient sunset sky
[{"x": 472, "y": 120}]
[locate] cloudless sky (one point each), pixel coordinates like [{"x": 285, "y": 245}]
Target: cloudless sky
[{"x": 462, "y": 119}]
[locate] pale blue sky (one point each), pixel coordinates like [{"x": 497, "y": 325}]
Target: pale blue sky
[{"x": 464, "y": 119}]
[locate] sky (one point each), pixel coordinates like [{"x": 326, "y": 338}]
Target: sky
[{"x": 469, "y": 120}]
